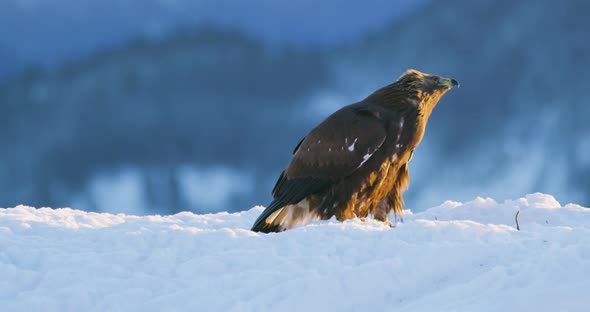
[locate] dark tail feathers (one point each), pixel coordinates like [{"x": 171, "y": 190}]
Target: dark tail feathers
[{"x": 261, "y": 225}]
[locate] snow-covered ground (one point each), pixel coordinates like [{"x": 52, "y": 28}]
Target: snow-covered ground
[{"x": 454, "y": 257}]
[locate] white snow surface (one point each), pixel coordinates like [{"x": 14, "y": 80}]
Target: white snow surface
[{"x": 454, "y": 257}]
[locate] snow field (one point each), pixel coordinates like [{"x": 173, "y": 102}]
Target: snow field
[{"x": 454, "y": 257}]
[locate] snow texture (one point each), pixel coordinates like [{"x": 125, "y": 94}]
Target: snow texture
[{"x": 454, "y": 257}]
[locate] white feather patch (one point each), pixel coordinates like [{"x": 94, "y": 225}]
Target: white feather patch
[
  {"x": 365, "y": 158},
  {"x": 351, "y": 146}
]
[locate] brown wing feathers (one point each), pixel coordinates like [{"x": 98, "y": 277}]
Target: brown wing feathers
[{"x": 330, "y": 152}]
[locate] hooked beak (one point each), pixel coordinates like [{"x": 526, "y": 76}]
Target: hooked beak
[{"x": 448, "y": 83}]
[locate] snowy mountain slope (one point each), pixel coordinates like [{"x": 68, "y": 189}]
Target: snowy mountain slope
[{"x": 454, "y": 257}]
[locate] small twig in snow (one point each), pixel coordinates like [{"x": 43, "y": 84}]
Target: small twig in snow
[{"x": 516, "y": 219}]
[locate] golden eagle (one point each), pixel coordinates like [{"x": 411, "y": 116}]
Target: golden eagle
[{"x": 355, "y": 162}]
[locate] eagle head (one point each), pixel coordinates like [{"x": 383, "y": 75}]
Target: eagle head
[
  {"x": 420, "y": 82},
  {"x": 419, "y": 90}
]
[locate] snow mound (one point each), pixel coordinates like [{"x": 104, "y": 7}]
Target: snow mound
[{"x": 454, "y": 257}]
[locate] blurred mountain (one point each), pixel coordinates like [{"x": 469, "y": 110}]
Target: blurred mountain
[
  {"x": 154, "y": 116},
  {"x": 10, "y": 63},
  {"x": 51, "y": 32},
  {"x": 205, "y": 99}
]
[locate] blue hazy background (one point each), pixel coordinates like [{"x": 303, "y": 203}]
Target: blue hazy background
[{"x": 158, "y": 106}]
